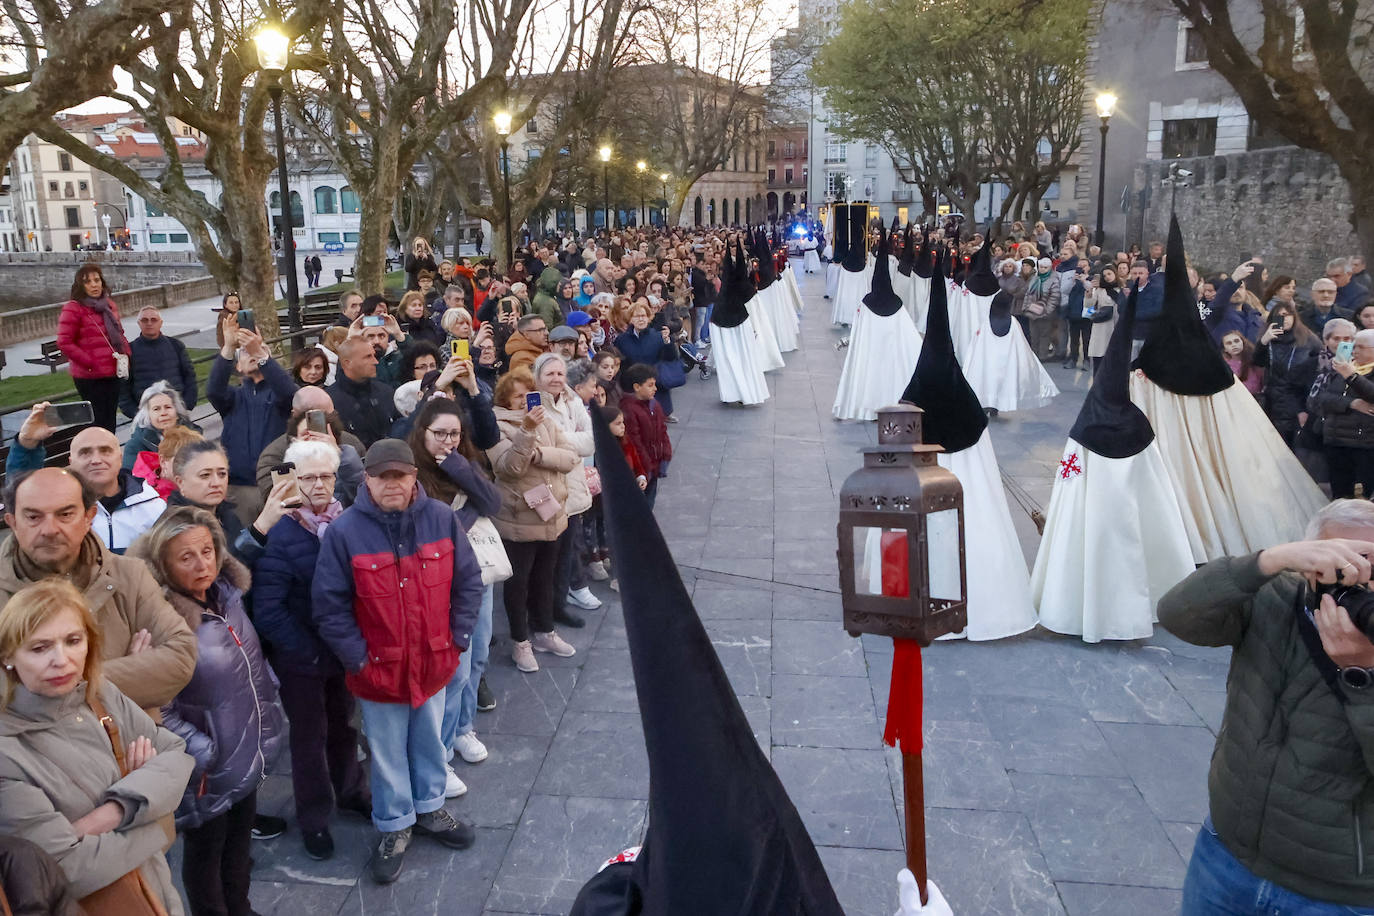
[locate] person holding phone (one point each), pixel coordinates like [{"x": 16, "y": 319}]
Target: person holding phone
[
  {"x": 1287, "y": 351},
  {"x": 1344, "y": 400},
  {"x": 92, "y": 339},
  {"x": 420, "y": 257},
  {"x": 232, "y": 307}
]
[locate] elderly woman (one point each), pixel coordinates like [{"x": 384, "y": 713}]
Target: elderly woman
[
  {"x": 324, "y": 764},
  {"x": 227, "y": 714},
  {"x": 61, "y": 784},
  {"x": 531, "y": 463},
  {"x": 201, "y": 473},
  {"x": 570, "y": 413},
  {"x": 160, "y": 408}
]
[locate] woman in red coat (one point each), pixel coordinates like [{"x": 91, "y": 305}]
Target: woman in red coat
[{"x": 91, "y": 338}]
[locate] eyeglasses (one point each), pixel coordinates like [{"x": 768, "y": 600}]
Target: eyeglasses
[
  {"x": 536, "y": 330},
  {"x": 309, "y": 480},
  {"x": 445, "y": 435}
]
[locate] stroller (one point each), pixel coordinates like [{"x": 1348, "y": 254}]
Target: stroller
[{"x": 692, "y": 358}]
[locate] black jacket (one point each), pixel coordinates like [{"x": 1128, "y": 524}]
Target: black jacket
[
  {"x": 1342, "y": 425},
  {"x": 155, "y": 360},
  {"x": 31, "y": 881},
  {"x": 1291, "y": 369},
  {"x": 366, "y": 408}
]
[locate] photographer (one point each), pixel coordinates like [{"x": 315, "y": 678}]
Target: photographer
[{"x": 1291, "y": 788}]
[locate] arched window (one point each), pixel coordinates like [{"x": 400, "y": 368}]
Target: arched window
[
  {"x": 748, "y": 211},
  {"x": 696, "y": 211},
  {"x": 274, "y": 201},
  {"x": 297, "y": 209},
  {"x": 348, "y": 200},
  {"x": 326, "y": 200},
  {"x": 736, "y": 211}
]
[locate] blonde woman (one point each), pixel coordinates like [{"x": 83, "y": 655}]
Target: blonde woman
[{"x": 420, "y": 257}]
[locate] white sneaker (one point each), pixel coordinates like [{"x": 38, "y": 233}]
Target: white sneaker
[
  {"x": 583, "y": 598},
  {"x": 470, "y": 748},
  {"x": 453, "y": 786},
  {"x": 523, "y": 656},
  {"x": 597, "y": 571},
  {"x": 552, "y": 642}
]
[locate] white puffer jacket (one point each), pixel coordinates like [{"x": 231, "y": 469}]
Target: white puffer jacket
[{"x": 572, "y": 418}]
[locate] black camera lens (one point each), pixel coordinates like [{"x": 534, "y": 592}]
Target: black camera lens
[{"x": 1358, "y": 603}]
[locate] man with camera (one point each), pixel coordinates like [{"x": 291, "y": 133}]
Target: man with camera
[{"x": 1291, "y": 788}]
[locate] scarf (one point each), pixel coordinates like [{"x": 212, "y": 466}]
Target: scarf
[
  {"x": 317, "y": 522},
  {"x": 113, "y": 330}
]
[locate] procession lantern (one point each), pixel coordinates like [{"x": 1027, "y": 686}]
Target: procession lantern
[{"x": 901, "y": 537}]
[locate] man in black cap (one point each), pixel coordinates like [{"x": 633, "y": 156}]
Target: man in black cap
[{"x": 396, "y": 599}]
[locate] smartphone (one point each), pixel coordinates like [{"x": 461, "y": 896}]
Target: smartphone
[
  {"x": 374, "y": 321},
  {"x": 533, "y": 400},
  {"x": 1276, "y": 322},
  {"x": 316, "y": 421},
  {"x": 1344, "y": 350},
  {"x": 287, "y": 471},
  {"x": 72, "y": 413},
  {"x": 458, "y": 348}
]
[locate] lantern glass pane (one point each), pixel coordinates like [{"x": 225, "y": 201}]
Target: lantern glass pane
[
  {"x": 881, "y": 564},
  {"x": 942, "y": 553}
]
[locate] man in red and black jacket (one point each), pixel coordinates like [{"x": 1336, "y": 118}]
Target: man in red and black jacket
[{"x": 396, "y": 594}]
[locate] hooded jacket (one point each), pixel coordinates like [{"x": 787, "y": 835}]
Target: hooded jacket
[
  {"x": 575, "y": 423},
  {"x": 521, "y": 351},
  {"x": 227, "y": 714},
  {"x": 124, "y": 599},
  {"x": 56, "y": 766},
  {"x": 523, "y": 460},
  {"x": 281, "y": 602},
  {"x": 545, "y": 300}
]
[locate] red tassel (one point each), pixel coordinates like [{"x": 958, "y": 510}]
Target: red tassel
[{"x": 904, "y": 701}]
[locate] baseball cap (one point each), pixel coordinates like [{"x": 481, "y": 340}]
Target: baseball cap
[
  {"x": 388, "y": 455},
  {"x": 562, "y": 332},
  {"x": 577, "y": 318}
]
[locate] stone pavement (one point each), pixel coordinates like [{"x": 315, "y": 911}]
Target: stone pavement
[{"x": 1061, "y": 778}]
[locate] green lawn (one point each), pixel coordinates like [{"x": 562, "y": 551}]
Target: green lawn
[{"x": 24, "y": 388}]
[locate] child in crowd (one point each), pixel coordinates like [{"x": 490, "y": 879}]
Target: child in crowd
[
  {"x": 646, "y": 426},
  {"x": 1240, "y": 355},
  {"x": 607, "y": 362}
]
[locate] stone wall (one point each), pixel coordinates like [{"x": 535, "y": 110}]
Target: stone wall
[
  {"x": 40, "y": 321},
  {"x": 33, "y": 277},
  {"x": 1288, "y": 204}
]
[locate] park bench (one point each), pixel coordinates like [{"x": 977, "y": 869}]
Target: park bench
[
  {"x": 340, "y": 273},
  {"x": 51, "y": 356}
]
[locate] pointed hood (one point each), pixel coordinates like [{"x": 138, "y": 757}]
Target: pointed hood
[
  {"x": 881, "y": 299},
  {"x": 979, "y": 279},
  {"x": 1179, "y": 355},
  {"x": 953, "y": 417},
  {"x": 856, "y": 224},
  {"x": 731, "y": 309},
  {"x": 723, "y": 836},
  {"x": 839, "y": 233},
  {"x": 1109, "y": 424},
  {"x": 906, "y": 261},
  {"x": 925, "y": 258},
  {"x": 764, "y": 252},
  {"x": 999, "y": 313}
]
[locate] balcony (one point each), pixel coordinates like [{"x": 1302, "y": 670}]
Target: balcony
[
  {"x": 833, "y": 160},
  {"x": 901, "y": 196}
]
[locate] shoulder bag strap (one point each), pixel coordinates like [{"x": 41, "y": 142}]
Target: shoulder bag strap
[
  {"x": 1307, "y": 628},
  {"x": 111, "y": 730}
]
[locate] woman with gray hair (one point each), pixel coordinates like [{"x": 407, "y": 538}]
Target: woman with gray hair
[
  {"x": 226, "y": 714},
  {"x": 160, "y": 408}
]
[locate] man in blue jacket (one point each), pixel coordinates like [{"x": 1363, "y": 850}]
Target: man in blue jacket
[
  {"x": 254, "y": 412},
  {"x": 156, "y": 357},
  {"x": 396, "y": 596}
]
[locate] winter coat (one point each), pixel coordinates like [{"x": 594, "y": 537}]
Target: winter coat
[
  {"x": 521, "y": 351},
  {"x": 1043, "y": 291},
  {"x": 350, "y": 473},
  {"x": 32, "y": 882},
  {"x": 56, "y": 766},
  {"x": 518, "y": 468},
  {"x": 545, "y": 301},
  {"x": 1291, "y": 786},
  {"x": 647, "y": 430},
  {"x": 413, "y": 267},
  {"x": 647, "y": 347},
  {"x": 228, "y": 714},
  {"x": 254, "y": 414},
  {"x": 124, "y": 599},
  {"x": 1342, "y": 425},
  {"x": 575, "y": 423},
  {"x": 1224, "y": 316},
  {"x": 159, "y": 359},
  {"x": 483, "y": 500},
  {"x": 281, "y": 602},
  {"x": 1149, "y": 305},
  {"x": 1014, "y": 286},
  {"x": 1289, "y": 373},
  {"x": 1106, "y": 310},
  {"x": 147, "y": 468},
  {"x": 396, "y": 597},
  {"x": 146, "y": 439},
  {"x": 82, "y": 339},
  {"x": 117, "y": 528},
  {"x": 366, "y": 408},
  {"x": 1316, "y": 321},
  {"x": 422, "y": 329}
]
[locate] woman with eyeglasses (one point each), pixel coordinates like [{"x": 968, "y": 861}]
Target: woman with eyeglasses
[{"x": 324, "y": 765}]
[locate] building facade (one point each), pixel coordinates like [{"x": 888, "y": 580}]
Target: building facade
[{"x": 787, "y": 160}]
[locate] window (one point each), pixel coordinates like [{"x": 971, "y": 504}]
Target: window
[
  {"x": 52, "y": 187},
  {"x": 870, "y": 186},
  {"x": 787, "y": 174},
  {"x": 274, "y": 201},
  {"x": 532, "y": 126},
  {"x": 772, "y": 149},
  {"x": 806, "y": 176},
  {"x": 348, "y": 200},
  {"x": 533, "y": 152},
  {"x": 157, "y": 238},
  {"x": 326, "y": 201},
  {"x": 73, "y": 217},
  {"x": 1190, "y": 53},
  {"x": 1189, "y": 137},
  {"x": 178, "y": 238},
  {"x": 1051, "y": 193},
  {"x": 64, "y": 162},
  {"x": 789, "y": 149},
  {"x": 326, "y": 237},
  {"x": 836, "y": 183},
  {"x": 834, "y": 150},
  {"x": 74, "y": 241},
  {"x": 772, "y": 176},
  {"x": 153, "y": 209},
  {"x": 351, "y": 238},
  {"x": 870, "y": 157},
  {"x": 83, "y": 186},
  {"x": 68, "y": 189}
]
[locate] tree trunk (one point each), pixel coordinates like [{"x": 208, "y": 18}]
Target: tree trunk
[{"x": 381, "y": 186}]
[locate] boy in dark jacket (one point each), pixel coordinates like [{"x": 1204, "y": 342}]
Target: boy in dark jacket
[{"x": 645, "y": 425}]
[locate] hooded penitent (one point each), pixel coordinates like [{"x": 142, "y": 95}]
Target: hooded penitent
[
  {"x": 906, "y": 261},
  {"x": 925, "y": 258},
  {"x": 980, "y": 280},
  {"x": 881, "y": 299},
  {"x": 1179, "y": 355},
  {"x": 953, "y": 416},
  {"x": 735, "y": 291},
  {"x": 999, "y": 313},
  {"x": 840, "y": 215},
  {"x": 723, "y": 837},
  {"x": 1109, "y": 424},
  {"x": 764, "y": 253},
  {"x": 855, "y": 218}
]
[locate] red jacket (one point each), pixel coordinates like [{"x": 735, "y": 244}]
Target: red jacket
[
  {"x": 81, "y": 338},
  {"x": 647, "y": 430},
  {"x": 632, "y": 457}
]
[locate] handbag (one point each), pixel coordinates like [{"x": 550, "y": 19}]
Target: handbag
[
  {"x": 130, "y": 894},
  {"x": 542, "y": 501},
  {"x": 486, "y": 545},
  {"x": 671, "y": 374},
  {"x": 593, "y": 479}
]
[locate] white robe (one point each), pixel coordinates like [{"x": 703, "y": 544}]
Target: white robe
[
  {"x": 811, "y": 262},
  {"x": 765, "y": 337},
  {"x": 1004, "y": 372},
  {"x": 1240, "y": 487},
  {"x": 793, "y": 295},
  {"x": 965, "y": 318},
  {"x": 920, "y": 300},
  {"x": 832, "y": 274},
  {"x": 734, "y": 358},
  {"x": 849, "y": 293},
  {"x": 782, "y": 317},
  {"x": 1114, "y": 543},
  {"x": 878, "y": 364}
]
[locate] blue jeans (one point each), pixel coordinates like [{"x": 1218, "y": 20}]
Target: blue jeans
[
  {"x": 460, "y": 696},
  {"x": 408, "y": 757},
  {"x": 1219, "y": 885}
]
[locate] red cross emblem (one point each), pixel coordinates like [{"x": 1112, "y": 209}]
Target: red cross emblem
[{"x": 1069, "y": 467}]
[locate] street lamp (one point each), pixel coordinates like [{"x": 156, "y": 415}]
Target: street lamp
[
  {"x": 663, "y": 179},
  {"x": 606, "y": 180},
  {"x": 641, "y": 166},
  {"x": 274, "y": 50},
  {"x": 1105, "y": 103},
  {"x": 502, "y": 121}
]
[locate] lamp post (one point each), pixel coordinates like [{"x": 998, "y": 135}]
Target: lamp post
[
  {"x": 663, "y": 179},
  {"x": 274, "y": 50},
  {"x": 1105, "y": 103},
  {"x": 606, "y": 180},
  {"x": 641, "y": 167},
  {"x": 502, "y": 121}
]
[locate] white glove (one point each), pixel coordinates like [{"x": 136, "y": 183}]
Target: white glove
[{"x": 910, "y": 897}]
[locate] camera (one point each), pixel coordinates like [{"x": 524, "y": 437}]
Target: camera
[{"x": 1358, "y": 602}]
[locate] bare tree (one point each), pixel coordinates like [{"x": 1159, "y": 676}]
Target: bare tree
[
  {"x": 1304, "y": 69},
  {"x": 60, "y": 54}
]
